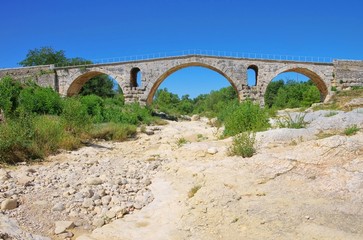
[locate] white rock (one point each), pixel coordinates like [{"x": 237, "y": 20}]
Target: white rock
[
  {"x": 62, "y": 226},
  {"x": 212, "y": 150},
  {"x": 98, "y": 222},
  {"x": 58, "y": 207},
  {"x": 111, "y": 214},
  {"x": 87, "y": 203},
  {"x": 106, "y": 200},
  {"x": 94, "y": 181}
]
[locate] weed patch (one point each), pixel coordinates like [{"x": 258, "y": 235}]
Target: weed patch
[{"x": 243, "y": 145}]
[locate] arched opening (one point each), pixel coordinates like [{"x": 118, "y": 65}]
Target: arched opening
[
  {"x": 95, "y": 82},
  {"x": 297, "y": 87},
  {"x": 252, "y": 74},
  {"x": 188, "y": 82},
  {"x": 135, "y": 77},
  {"x": 192, "y": 89}
]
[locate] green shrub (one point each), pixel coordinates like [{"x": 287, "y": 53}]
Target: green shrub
[
  {"x": 181, "y": 141},
  {"x": 349, "y": 131},
  {"x": 330, "y": 114},
  {"x": 289, "y": 122},
  {"x": 16, "y": 140},
  {"x": 243, "y": 144},
  {"x": 246, "y": 117},
  {"x": 75, "y": 117},
  {"x": 48, "y": 135},
  {"x": 35, "y": 99},
  {"x": 9, "y": 93},
  {"x": 94, "y": 106}
]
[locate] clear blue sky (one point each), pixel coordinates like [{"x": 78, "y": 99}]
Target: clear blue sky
[{"x": 110, "y": 28}]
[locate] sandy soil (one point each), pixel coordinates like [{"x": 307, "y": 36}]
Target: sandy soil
[{"x": 304, "y": 190}]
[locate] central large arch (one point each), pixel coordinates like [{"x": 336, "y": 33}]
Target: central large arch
[{"x": 170, "y": 71}]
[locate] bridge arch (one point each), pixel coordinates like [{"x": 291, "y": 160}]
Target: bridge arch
[
  {"x": 152, "y": 90},
  {"x": 315, "y": 76},
  {"x": 81, "y": 77}
]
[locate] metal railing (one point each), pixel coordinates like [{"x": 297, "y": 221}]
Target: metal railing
[
  {"x": 200, "y": 52},
  {"x": 212, "y": 53}
]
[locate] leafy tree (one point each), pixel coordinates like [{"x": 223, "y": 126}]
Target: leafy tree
[
  {"x": 44, "y": 56},
  {"x": 47, "y": 55},
  {"x": 271, "y": 92},
  {"x": 291, "y": 94},
  {"x": 100, "y": 85}
]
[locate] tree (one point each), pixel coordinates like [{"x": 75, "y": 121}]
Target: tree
[
  {"x": 44, "y": 56},
  {"x": 47, "y": 55},
  {"x": 100, "y": 85},
  {"x": 271, "y": 92}
]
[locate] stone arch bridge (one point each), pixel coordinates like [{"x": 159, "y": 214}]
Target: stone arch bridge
[{"x": 69, "y": 80}]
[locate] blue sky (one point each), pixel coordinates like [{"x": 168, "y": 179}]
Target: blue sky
[{"x": 101, "y": 29}]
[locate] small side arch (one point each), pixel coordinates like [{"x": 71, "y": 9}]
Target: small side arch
[
  {"x": 135, "y": 73},
  {"x": 152, "y": 90},
  {"x": 81, "y": 78},
  {"x": 254, "y": 74}
]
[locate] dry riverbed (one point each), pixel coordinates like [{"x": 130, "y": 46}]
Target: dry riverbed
[{"x": 162, "y": 187}]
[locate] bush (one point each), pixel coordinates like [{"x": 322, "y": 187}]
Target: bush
[
  {"x": 94, "y": 106},
  {"x": 349, "y": 131},
  {"x": 48, "y": 135},
  {"x": 75, "y": 117},
  {"x": 35, "y": 99},
  {"x": 289, "y": 122},
  {"x": 247, "y": 116},
  {"x": 9, "y": 93},
  {"x": 16, "y": 140},
  {"x": 243, "y": 145}
]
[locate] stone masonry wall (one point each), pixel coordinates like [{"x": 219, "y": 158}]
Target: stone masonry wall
[
  {"x": 43, "y": 75},
  {"x": 348, "y": 73}
]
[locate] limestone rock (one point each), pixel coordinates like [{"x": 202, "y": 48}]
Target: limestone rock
[
  {"x": 212, "y": 150},
  {"x": 62, "y": 226},
  {"x": 9, "y": 204},
  {"x": 98, "y": 222},
  {"x": 94, "y": 181},
  {"x": 58, "y": 207},
  {"x": 195, "y": 117}
]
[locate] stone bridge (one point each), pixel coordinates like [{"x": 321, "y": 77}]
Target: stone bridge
[{"x": 69, "y": 80}]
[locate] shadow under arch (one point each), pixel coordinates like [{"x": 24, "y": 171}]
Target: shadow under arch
[
  {"x": 76, "y": 85},
  {"x": 172, "y": 70},
  {"x": 312, "y": 75}
]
